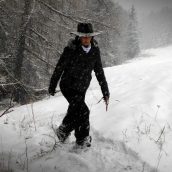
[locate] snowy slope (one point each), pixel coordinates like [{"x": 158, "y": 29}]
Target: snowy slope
[
  {"x": 28, "y": 146},
  {"x": 136, "y": 130},
  {"x": 140, "y": 107}
]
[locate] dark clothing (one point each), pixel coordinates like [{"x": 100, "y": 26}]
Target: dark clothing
[
  {"x": 75, "y": 67},
  {"x": 77, "y": 117}
]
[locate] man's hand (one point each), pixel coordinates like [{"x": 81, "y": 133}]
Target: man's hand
[
  {"x": 51, "y": 92},
  {"x": 106, "y": 99}
]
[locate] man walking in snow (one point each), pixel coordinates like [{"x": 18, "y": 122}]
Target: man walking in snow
[{"x": 79, "y": 58}]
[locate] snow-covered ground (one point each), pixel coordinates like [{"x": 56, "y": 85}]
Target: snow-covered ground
[{"x": 134, "y": 135}]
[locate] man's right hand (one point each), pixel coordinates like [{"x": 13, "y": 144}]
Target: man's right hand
[{"x": 51, "y": 92}]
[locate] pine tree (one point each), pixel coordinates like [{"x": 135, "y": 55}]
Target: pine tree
[{"x": 132, "y": 49}]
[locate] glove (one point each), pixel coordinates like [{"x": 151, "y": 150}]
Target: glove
[{"x": 51, "y": 92}]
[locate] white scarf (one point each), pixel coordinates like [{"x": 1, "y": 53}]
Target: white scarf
[{"x": 86, "y": 49}]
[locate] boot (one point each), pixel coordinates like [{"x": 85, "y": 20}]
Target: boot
[
  {"x": 62, "y": 136},
  {"x": 84, "y": 143}
]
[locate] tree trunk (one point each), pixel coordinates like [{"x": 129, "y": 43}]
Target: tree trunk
[{"x": 20, "y": 95}]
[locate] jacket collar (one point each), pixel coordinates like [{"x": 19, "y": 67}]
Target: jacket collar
[{"x": 86, "y": 49}]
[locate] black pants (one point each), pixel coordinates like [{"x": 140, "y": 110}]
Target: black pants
[{"x": 77, "y": 117}]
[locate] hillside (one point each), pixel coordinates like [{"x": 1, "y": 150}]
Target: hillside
[{"x": 134, "y": 135}]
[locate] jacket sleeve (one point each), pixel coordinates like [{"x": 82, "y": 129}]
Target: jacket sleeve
[
  {"x": 58, "y": 70},
  {"x": 98, "y": 69}
]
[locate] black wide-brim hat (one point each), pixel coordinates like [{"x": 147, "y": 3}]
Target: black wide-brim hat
[{"x": 85, "y": 30}]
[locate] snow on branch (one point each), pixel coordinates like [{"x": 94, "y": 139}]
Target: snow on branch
[
  {"x": 6, "y": 57},
  {"x": 13, "y": 83},
  {"x": 58, "y": 12},
  {"x": 9, "y": 107},
  {"x": 6, "y": 111},
  {"x": 38, "y": 34},
  {"x": 42, "y": 46},
  {"x": 14, "y": 78},
  {"x": 54, "y": 28},
  {"x": 38, "y": 57},
  {"x": 73, "y": 18}
]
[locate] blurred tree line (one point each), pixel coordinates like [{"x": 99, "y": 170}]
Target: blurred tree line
[
  {"x": 156, "y": 29},
  {"x": 33, "y": 34}
]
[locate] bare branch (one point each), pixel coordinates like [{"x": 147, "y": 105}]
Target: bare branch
[
  {"x": 73, "y": 18},
  {"x": 18, "y": 82},
  {"x": 7, "y": 110},
  {"x": 36, "y": 42},
  {"x": 162, "y": 131},
  {"x": 14, "y": 83},
  {"x": 55, "y": 28},
  {"x": 33, "y": 114},
  {"x": 7, "y": 57},
  {"x": 38, "y": 57},
  {"x": 58, "y": 12},
  {"x": 38, "y": 34}
]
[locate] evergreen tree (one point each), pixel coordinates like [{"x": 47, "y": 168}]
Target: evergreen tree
[{"x": 132, "y": 49}]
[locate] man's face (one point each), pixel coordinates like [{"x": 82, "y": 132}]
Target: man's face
[{"x": 85, "y": 41}]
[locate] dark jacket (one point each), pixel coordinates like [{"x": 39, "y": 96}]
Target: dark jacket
[{"x": 75, "y": 67}]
